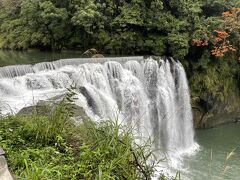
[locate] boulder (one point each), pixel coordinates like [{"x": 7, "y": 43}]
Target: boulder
[
  {"x": 41, "y": 108},
  {"x": 48, "y": 106},
  {"x": 98, "y": 56}
]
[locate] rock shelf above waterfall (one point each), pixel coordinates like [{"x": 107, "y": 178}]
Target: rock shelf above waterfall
[{"x": 20, "y": 70}]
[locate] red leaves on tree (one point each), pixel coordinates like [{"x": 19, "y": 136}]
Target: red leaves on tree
[
  {"x": 219, "y": 38},
  {"x": 221, "y": 45},
  {"x": 227, "y": 14},
  {"x": 221, "y": 34},
  {"x": 220, "y": 50},
  {"x": 197, "y": 42}
]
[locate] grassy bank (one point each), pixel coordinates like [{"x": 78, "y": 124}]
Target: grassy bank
[{"x": 54, "y": 147}]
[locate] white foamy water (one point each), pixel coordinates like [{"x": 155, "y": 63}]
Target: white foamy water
[{"x": 151, "y": 96}]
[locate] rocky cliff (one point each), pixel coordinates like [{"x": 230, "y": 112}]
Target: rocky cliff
[
  {"x": 215, "y": 89},
  {"x": 209, "y": 112}
]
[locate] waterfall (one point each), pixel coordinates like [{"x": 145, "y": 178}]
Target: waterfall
[{"x": 152, "y": 96}]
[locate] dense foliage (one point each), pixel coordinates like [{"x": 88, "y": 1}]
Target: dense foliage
[{"x": 160, "y": 27}]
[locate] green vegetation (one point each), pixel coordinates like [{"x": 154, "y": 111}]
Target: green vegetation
[
  {"x": 159, "y": 27},
  {"x": 213, "y": 77},
  {"x": 54, "y": 147}
]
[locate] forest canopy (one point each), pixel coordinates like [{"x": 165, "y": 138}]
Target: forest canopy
[{"x": 177, "y": 28}]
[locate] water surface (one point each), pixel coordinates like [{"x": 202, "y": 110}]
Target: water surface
[
  {"x": 211, "y": 161},
  {"x": 34, "y": 56}
]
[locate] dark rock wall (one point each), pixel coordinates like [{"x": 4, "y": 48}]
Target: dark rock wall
[{"x": 210, "y": 112}]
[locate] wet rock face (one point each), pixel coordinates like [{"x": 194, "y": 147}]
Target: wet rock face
[
  {"x": 41, "y": 108},
  {"x": 210, "y": 112},
  {"x": 91, "y": 102},
  {"x": 48, "y": 106}
]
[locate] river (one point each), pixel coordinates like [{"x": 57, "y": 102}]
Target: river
[
  {"x": 33, "y": 56},
  {"x": 211, "y": 161}
]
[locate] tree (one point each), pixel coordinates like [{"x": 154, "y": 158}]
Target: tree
[
  {"x": 46, "y": 22},
  {"x": 225, "y": 36},
  {"x": 159, "y": 27}
]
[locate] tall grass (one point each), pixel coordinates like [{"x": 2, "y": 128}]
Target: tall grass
[
  {"x": 226, "y": 166},
  {"x": 54, "y": 147}
]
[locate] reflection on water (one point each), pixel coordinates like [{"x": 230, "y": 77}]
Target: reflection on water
[
  {"x": 33, "y": 56},
  {"x": 212, "y": 162}
]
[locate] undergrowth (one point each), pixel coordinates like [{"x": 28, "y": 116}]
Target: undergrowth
[{"x": 54, "y": 147}]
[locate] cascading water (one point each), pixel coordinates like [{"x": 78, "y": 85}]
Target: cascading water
[{"x": 149, "y": 95}]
